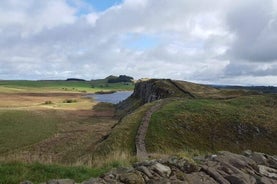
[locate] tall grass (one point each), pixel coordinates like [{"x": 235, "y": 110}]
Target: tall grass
[
  {"x": 20, "y": 128},
  {"x": 15, "y": 172}
]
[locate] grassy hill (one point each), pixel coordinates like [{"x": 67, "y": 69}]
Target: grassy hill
[
  {"x": 196, "y": 118},
  {"x": 248, "y": 122}
]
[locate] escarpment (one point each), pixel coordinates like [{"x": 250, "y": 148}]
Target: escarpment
[{"x": 155, "y": 89}]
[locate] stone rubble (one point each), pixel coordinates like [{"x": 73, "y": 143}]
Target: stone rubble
[{"x": 223, "y": 168}]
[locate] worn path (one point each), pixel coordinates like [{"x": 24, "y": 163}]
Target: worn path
[{"x": 142, "y": 130}]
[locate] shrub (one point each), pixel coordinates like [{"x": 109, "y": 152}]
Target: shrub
[
  {"x": 69, "y": 101},
  {"x": 48, "y": 102}
]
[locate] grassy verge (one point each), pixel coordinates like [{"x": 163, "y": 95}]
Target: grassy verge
[
  {"x": 209, "y": 125},
  {"x": 11, "y": 173}
]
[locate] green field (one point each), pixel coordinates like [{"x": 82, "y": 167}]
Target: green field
[
  {"x": 62, "y": 86},
  {"x": 22, "y": 128}
]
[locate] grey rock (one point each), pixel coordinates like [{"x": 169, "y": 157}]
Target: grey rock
[
  {"x": 131, "y": 178},
  {"x": 145, "y": 170},
  {"x": 247, "y": 153},
  {"x": 26, "y": 182},
  {"x": 182, "y": 164},
  {"x": 159, "y": 181},
  {"x": 267, "y": 171},
  {"x": 199, "y": 178},
  {"x": 214, "y": 174},
  {"x": 163, "y": 170},
  {"x": 94, "y": 181},
  {"x": 265, "y": 180},
  {"x": 259, "y": 158},
  {"x": 272, "y": 161},
  {"x": 61, "y": 181}
]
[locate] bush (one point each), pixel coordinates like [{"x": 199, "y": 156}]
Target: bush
[
  {"x": 121, "y": 78},
  {"x": 69, "y": 101},
  {"x": 48, "y": 102}
]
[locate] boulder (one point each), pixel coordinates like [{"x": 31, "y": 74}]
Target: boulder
[
  {"x": 161, "y": 169},
  {"x": 61, "y": 181},
  {"x": 131, "y": 178}
]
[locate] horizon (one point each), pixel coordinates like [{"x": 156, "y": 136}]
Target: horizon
[
  {"x": 88, "y": 80},
  {"x": 208, "y": 42}
]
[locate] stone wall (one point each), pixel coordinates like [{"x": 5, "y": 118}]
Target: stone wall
[{"x": 222, "y": 168}]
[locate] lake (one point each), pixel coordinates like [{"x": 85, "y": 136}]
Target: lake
[{"x": 113, "y": 98}]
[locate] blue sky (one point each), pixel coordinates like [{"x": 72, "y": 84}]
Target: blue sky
[
  {"x": 101, "y": 5},
  {"x": 140, "y": 42},
  {"x": 205, "y": 41}
]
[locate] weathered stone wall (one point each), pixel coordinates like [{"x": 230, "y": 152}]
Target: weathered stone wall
[{"x": 223, "y": 168}]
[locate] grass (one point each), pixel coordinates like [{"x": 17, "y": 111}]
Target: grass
[
  {"x": 17, "y": 86},
  {"x": 247, "y": 122},
  {"x": 19, "y": 128},
  {"x": 40, "y": 127},
  {"x": 15, "y": 172},
  {"x": 122, "y": 137}
]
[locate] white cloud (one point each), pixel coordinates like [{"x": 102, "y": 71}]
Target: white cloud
[{"x": 199, "y": 40}]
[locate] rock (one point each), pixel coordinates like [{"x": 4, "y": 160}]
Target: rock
[
  {"x": 26, "y": 182},
  {"x": 267, "y": 171},
  {"x": 247, "y": 153},
  {"x": 159, "y": 181},
  {"x": 61, "y": 181},
  {"x": 182, "y": 164},
  {"x": 265, "y": 180},
  {"x": 145, "y": 170},
  {"x": 214, "y": 174},
  {"x": 180, "y": 175},
  {"x": 259, "y": 158},
  {"x": 161, "y": 169},
  {"x": 272, "y": 161},
  {"x": 199, "y": 178},
  {"x": 131, "y": 178},
  {"x": 94, "y": 181}
]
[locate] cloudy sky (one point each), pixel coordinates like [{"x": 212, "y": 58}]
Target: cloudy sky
[{"x": 206, "y": 41}]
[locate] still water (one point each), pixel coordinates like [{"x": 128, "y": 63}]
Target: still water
[{"x": 113, "y": 98}]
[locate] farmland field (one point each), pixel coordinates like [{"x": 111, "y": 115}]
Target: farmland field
[{"x": 52, "y": 121}]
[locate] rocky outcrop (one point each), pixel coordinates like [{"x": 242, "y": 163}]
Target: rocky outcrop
[
  {"x": 149, "y": 91},
  {"x": 155, "y": 89},
  {"x": 222, "y": 168}
]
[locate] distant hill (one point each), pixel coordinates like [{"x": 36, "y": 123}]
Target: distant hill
[
  {"x": 75, "y": 79},
  {"x": 261, "y": 89}
]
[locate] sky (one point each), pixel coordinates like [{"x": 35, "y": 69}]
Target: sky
[{"x": 205, "y": 41}]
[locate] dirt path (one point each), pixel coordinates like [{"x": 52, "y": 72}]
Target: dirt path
[{"x": 142, "y": 130}]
